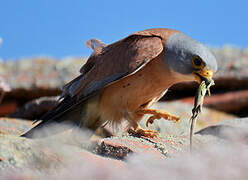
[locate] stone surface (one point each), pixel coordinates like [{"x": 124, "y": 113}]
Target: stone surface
[
  {"x": 173, "y": 144},
  {"x": 14, "y": 126},
  {"x": 42, "y": 155},
  {"x": 48, "y": 154},
  {"x": 54, "y": 156},
  {"x": 43, "y": 72},
  {"x": 8, "y": 107},
  {"x": 235, "y": 130},
  {"x": 231, "y": 102}
]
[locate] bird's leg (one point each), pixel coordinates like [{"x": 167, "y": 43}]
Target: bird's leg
[
  {"x": 158, "y": 114},
  {"x": 138, "y": 130}
]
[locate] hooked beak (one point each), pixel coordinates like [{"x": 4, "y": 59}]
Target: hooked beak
[{"x": 203, "y": 75}]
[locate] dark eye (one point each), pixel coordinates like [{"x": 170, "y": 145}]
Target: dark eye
[{"x": 197, "y": 62}]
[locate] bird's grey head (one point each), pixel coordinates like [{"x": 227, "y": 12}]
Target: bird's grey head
[{"x": 186, "y": 56}]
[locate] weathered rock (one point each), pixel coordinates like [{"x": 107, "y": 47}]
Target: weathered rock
[
  {"x": 226, "y": 132},
  {"x": 208, "y": 163},
  {"x": 121, "y": 147},
  {"x": 49, "y": 154},
  {"x": 235, "y": 102},
  {"x": 40, "y": 73},
  {"x": 14, "y": 126},
  {"x": 54, "y": 156},
  {"x": 8, "y": 107},
  {"x": 33, "y": 78},
  {"x": 235, "y": 130},
  {"x": 231, "y": 102},
  {"x": 42, "y": 155}
]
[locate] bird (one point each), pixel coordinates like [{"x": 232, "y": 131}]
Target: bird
[{"x": 120, "y": 81}]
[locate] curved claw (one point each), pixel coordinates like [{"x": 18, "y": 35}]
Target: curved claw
[
  {"x": 151, "y": 119},
  {"x": 159, "y": 116}
]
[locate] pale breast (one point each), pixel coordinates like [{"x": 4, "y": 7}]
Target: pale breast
[{"x": 130, "y": 93}]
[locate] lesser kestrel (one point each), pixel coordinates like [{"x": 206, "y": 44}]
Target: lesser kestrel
[{"x": 120, "y": 81}]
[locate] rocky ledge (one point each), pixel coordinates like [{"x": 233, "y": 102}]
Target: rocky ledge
[{"x": 70, "y": 155}]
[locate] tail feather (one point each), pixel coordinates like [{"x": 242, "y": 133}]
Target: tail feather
[
  {"x": 69, "y": 112},
  {"x": 56, "y": 125}
]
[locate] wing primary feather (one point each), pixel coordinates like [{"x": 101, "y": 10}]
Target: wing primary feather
[{"x": 62, "y": 113}]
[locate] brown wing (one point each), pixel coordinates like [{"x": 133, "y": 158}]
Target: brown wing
[
  {"x": 117, "y": 61},
  {"x": 111, "y": 62}
]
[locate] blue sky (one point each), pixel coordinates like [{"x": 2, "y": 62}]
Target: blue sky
[{"x": 59, "y": 28}]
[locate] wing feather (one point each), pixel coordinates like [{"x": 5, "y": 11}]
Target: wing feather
[
  {"x": 116, "y": 61},
  {"x": 122, "y": 57}
]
